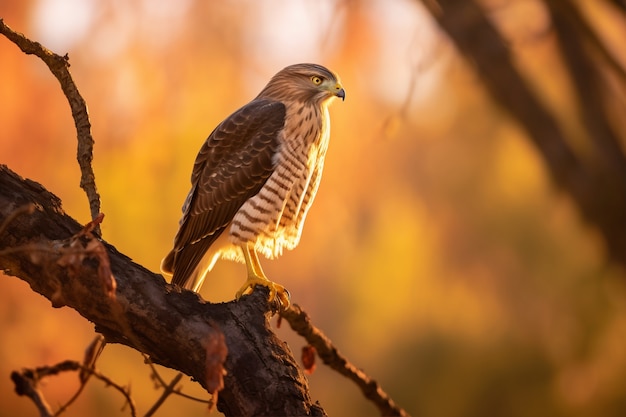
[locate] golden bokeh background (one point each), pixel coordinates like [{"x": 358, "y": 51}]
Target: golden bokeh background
[{"x": 439, "y": 257}]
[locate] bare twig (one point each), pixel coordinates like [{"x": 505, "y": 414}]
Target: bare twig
[
  {"x": 155, "y": 373},
  {"x": 59, "y": 66},
  {"x": 73, "y": 398},
  {"x": 301, "y": 324},
  {"x": 89, "y": 363},
  {"x": 161, "y": 383},
  {"x": 92, "y": 353},
  {"x": 108, "y": 381},
  {"x": 169, "y": 389},
  {"x": 27, "y": 383}
]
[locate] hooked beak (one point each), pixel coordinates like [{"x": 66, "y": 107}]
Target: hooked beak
[{"x": 341, "y": 93}]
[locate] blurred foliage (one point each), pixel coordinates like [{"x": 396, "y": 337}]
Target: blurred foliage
[{"x": 439, "y": 256}]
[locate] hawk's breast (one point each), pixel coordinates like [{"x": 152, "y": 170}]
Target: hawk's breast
[{"x": 274, "y": 217}]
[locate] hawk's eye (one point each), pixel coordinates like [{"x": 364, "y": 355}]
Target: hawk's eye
[{"x": 316, "y": 80}]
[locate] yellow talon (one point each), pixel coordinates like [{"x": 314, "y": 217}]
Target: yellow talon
[
  {"x": 276, "y": 290},
  {"x": 257, "y": 277}
]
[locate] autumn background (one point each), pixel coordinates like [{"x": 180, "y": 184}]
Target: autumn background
[{"x": 439, "y": 256}]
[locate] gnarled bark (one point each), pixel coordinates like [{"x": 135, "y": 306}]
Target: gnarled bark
[{"x": 175, "y": 328}]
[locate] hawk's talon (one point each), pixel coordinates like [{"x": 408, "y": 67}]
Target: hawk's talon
[
  {"x": 276, "y": 290},
  {"x": 284, "y": 298}
]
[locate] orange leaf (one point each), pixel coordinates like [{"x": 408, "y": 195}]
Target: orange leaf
[{"x": 308, "y": 359}]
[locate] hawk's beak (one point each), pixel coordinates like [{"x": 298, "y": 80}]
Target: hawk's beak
[{"x": 340, "y": 92}]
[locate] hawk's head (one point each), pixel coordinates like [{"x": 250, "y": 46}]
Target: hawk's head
[{"x": 304, "y": 82}]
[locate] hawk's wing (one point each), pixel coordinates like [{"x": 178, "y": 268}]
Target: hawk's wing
[{"x": 233, "y": 165}]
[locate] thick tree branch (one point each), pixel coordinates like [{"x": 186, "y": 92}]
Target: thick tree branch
[
  {"x": 596, "y": 185},
  {"x": 574, "y": 17},
  {"x": 262, "y": 376}
]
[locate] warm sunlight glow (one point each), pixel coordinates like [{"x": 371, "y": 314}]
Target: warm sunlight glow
[{"x": 440, "y": 254}]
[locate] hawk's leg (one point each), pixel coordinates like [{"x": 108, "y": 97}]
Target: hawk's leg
[{"x": 256, "y": 276}]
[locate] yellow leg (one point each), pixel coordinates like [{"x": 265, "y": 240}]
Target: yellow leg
[{"x": 257, "y": 277}]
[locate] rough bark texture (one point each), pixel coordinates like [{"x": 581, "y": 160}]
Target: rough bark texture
[{"x": 175, "y": 328}]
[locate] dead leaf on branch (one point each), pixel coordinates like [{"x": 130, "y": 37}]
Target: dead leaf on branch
[
  {"x": 216, "y": 352},
  {"x": 84, "y": 245},
  {"x": 308, "y": 358}
]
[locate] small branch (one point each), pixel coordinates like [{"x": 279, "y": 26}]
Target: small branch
[
  {"x": 301, "y": 324},
  {"x": 68, "y": 403},
  {"x": 109, "y": 382},
  {"x": 27, "y": 383},
  {"x": 59, "y": 66},
  {"x": 169, "y": 389},
  {"x": 92, "y": 354},
  {"x": 161, "y": 383},
  {"x": 155, "y": 373},
  {"x": 125, "y": 392}
]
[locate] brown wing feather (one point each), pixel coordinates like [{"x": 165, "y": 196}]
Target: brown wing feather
[{"x": 233, "y": 165}]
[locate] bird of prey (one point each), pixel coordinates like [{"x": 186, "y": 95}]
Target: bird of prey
[{"x": 254, "y": 180}]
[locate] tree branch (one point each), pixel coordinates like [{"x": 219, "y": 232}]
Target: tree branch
[
  {"x": 169, "y": 389},
  {"x": 28, "y": 381},
  {"x": 59, "y": 66},
  {"x": 597, "y": 187},
  {"x": 27, "y": 386},
  {"x": 262, "y": 375},
  {"x": 301, "y": 324}
]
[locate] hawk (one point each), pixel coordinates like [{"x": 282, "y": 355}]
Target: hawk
[{"x": 255, "y": 179}]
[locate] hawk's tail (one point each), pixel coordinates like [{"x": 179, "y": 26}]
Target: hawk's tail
[{"x": 167, "y": 264}]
